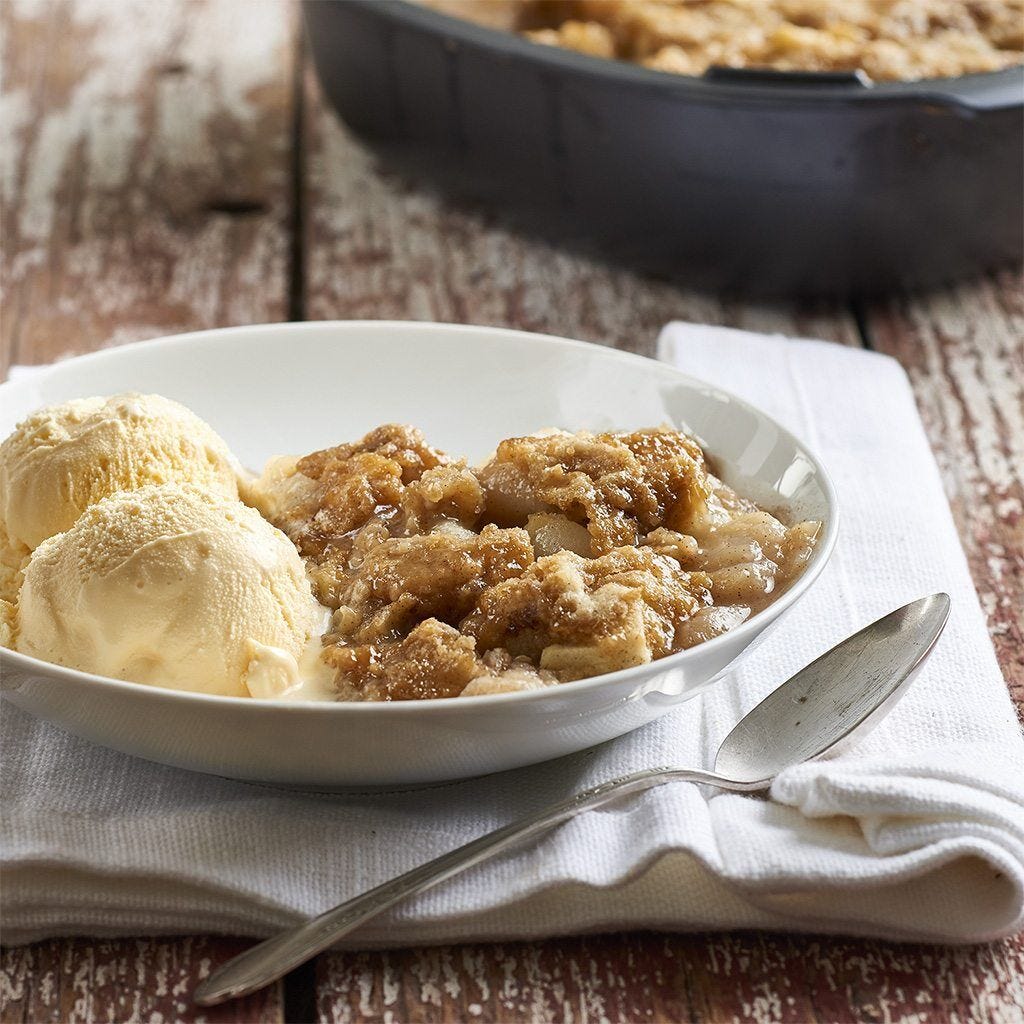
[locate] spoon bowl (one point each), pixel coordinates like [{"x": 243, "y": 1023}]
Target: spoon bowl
[{"x": 836, "y": 698}]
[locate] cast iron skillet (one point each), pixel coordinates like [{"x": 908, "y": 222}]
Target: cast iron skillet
[{"x": 754, "y": 182}]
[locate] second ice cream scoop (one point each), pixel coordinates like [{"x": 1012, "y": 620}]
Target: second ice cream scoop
[{"x": 169, "y": 585}]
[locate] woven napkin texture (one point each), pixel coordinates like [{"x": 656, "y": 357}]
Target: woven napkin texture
[{"x": 917, "y": 833}]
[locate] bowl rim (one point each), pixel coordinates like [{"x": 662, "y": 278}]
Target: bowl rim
[
  {"x": 747, "y": 630},
  {"x": 1000, "y": 89}
]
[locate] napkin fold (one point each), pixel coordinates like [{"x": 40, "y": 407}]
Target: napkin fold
[{"x": 917, "y": 833}]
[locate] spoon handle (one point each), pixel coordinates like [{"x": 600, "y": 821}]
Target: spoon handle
[{"x": 268, "y": 961}]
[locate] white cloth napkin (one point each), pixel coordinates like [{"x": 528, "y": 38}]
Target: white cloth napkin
[{"x": 916, "y": 834}]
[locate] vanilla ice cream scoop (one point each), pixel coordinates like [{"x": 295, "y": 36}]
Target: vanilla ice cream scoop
[
  {"x": 64, "y": 458},
  {"x": 169, "y": 585}
]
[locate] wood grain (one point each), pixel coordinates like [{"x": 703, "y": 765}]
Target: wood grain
[
  {"x": 144, "y": 189},
  {"x": 79, "y": 981},
  {"x": 705, "y": 978},
  {"x": 144, "y": 170}
]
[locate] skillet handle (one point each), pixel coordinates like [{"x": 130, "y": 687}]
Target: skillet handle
[
  {"x": 986, "y": 91},
  {"x": 770, "y": 76}
]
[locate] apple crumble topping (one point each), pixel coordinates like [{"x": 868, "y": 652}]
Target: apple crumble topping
[
  {"x": 580, "y": 617},
  {"x": 337, "y": 504},
  {"x": 618, "y": 486},
  {"x": 564, "y": 556},
  {"x": 888, "y": 39},
  {"x": 442, "y": 575}
]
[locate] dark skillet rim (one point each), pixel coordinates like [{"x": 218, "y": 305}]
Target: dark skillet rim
[{"x": 989, "y": 90}]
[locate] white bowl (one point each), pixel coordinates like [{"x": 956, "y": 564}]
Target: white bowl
[{"x": 291, "y": 388}]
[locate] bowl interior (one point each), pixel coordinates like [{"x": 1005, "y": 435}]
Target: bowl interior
[{"x": 279, "y": 389}]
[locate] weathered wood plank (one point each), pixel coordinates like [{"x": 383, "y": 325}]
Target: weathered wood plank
[
  {"x": 144, "y": 171},
  {"x": 964, "y": 351},
  {"x": 142, "y": 981},
  {"x": 381, "y": 246},
  {"x": 625, "y": 979},
  {"x": 144, "y": 189}
]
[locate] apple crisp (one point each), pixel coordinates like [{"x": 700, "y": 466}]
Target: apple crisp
[
  {"x": 890, "y": 40},
  {"x": 563, "y": 556}
]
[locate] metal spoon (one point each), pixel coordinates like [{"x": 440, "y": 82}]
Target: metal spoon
[{"x": 839, "y": 696}]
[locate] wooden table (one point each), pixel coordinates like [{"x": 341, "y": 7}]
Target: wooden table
[{"x": 170, "y": 165}]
